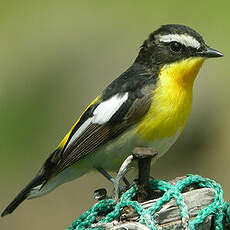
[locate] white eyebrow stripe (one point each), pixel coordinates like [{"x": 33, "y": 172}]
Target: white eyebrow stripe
[{"x": 184, "y": 39}]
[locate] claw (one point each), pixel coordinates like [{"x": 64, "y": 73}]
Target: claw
[{"x": 100, "y": 194}]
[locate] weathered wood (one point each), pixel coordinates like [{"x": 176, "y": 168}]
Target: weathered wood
[{"x": 168, "y": 217}]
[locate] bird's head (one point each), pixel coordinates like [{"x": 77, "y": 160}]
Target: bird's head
[
  {"x": 175, "y": 48},
  {"x": 172, "y": 43}
]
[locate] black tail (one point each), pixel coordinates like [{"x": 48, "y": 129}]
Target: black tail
[{"x": 22, "y": 195}]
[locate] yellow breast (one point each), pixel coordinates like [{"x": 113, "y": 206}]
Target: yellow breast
[{"x": 171, "y": 100}]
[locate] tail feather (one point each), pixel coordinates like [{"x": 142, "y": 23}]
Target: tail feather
[{"x": 38, "y": 180}]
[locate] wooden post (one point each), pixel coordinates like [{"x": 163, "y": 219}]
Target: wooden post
[{"x": 144, "y": 157}]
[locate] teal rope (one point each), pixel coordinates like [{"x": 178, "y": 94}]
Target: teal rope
[{"x": 219, "y": 208}]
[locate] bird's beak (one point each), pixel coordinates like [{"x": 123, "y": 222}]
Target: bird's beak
[{"x": 210, "y": 53}]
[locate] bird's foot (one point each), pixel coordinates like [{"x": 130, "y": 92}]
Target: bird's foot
[{"x": 101, "y": 193}]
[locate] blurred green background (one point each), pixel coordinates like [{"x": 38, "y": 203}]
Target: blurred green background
[{"x": 55, "y": 56}]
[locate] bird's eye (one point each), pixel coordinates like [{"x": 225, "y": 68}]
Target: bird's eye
[{"x": 175, "y": 46}]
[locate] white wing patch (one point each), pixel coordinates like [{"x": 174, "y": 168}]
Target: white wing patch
[
  {"x": 108, "y": 108},
  {"x": 79, "y": 131},
  {"x": 101, "y": 114},
  {"x": 184, "y": 39}
]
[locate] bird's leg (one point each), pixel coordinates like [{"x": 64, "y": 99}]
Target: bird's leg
[
  {"x": 144, "y": 156},
  {"x": 110, "y": 178},
  {"x": 126, "y": 181},
  {"x": 116, "y": 182},
  {"x": 120, "y": 175},
  {"x": 101, "y": 193},
  {"x": 106, "y": 175}
]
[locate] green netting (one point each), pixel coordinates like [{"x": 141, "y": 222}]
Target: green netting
[{"x": 219, "y": 209}]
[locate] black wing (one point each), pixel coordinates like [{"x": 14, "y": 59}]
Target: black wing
[
  {"x": 96, "y": 135},
  {"x": 138, "y": 85}
]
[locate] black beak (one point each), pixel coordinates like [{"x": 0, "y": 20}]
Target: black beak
[{"x": 210, "y": 53}]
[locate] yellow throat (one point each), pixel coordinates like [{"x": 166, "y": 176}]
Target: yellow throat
[{"x": 171, "y": 100}]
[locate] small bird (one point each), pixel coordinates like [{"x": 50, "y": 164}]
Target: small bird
[{"x": 146, "y": 106}]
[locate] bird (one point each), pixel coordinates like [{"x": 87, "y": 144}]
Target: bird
[{"x": 146, "y": 106}]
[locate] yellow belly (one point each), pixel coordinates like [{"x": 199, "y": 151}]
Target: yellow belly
[
  {"x": 171, "y": 100},
  {"x": 159, "y": 128}
]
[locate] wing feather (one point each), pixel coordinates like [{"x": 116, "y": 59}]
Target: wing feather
[
  {"x": 96, "y": 135},
  {"x": 122, "y": 104}
]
